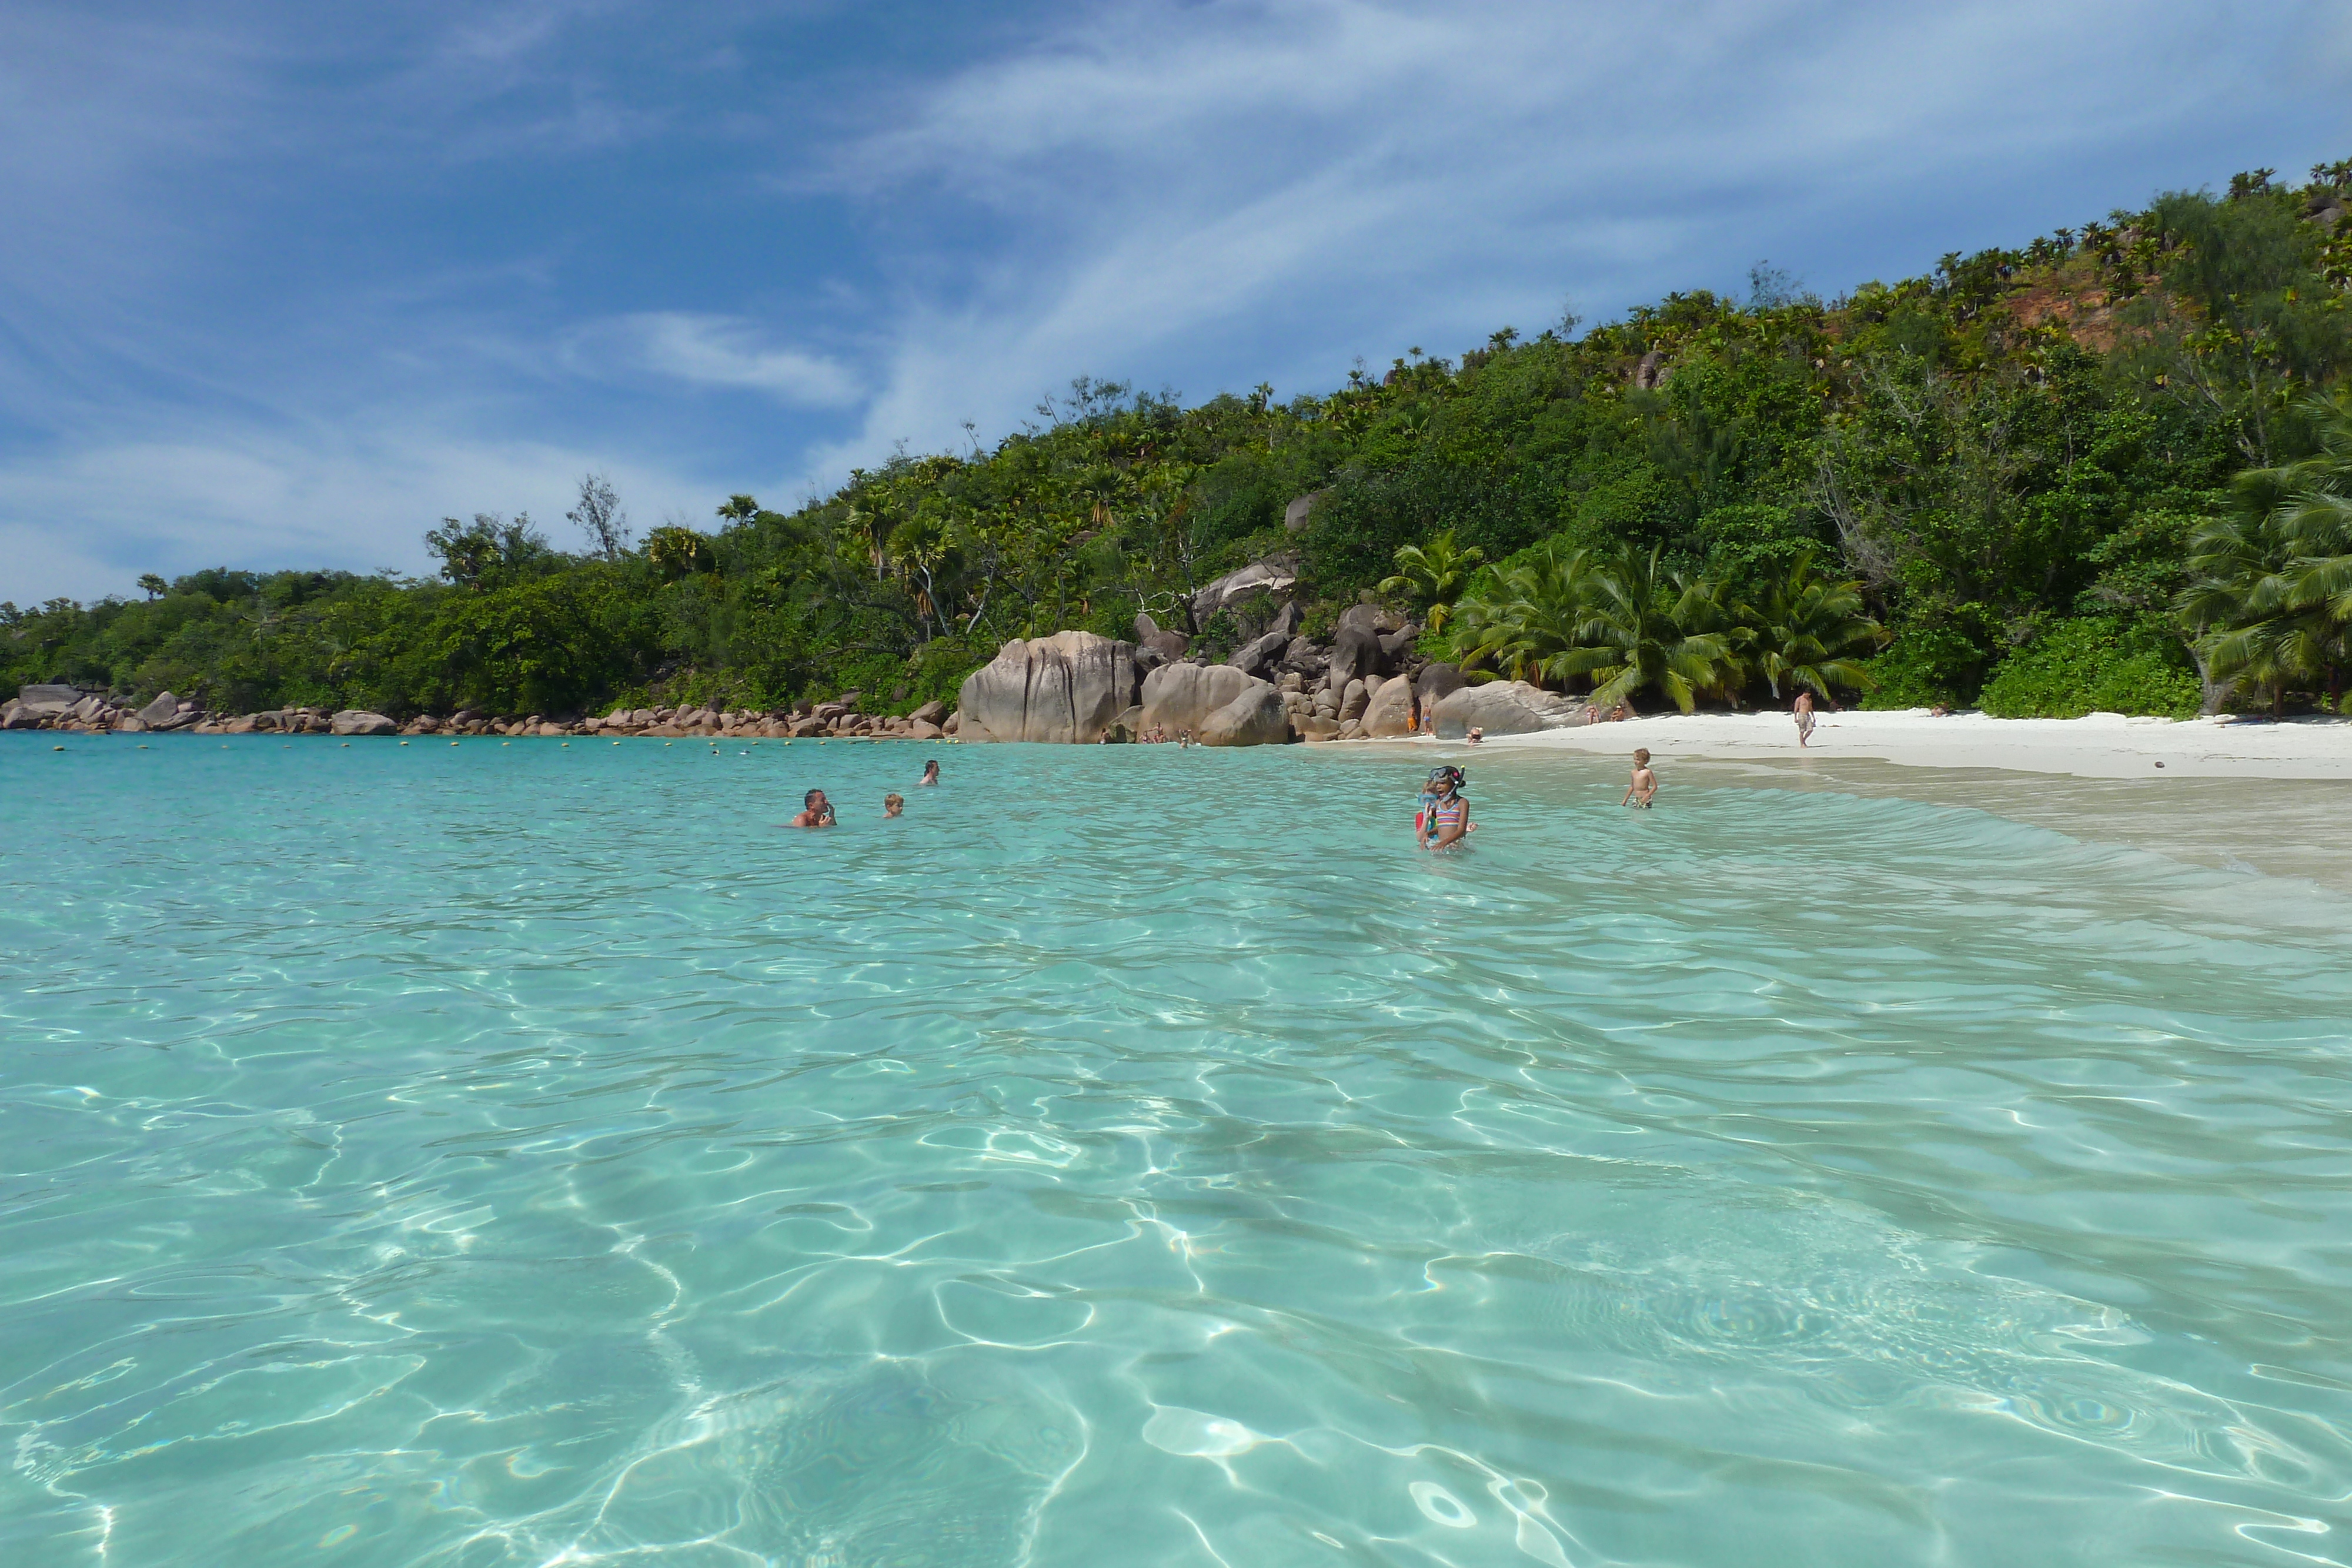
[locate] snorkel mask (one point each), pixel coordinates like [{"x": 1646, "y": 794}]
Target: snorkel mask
[{"x": 1447, "y": 775}]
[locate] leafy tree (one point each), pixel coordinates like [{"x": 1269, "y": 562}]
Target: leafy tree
[
  {"x": 599, "y": 515},
  {"x": 490, "y": 552}
]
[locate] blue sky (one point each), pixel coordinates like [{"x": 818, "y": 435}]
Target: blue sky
[{"x": 283, "y": 284}]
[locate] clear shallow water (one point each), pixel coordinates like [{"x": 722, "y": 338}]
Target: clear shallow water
[{"x": 525, "y": 1155}]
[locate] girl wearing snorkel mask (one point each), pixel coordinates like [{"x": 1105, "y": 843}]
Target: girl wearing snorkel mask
[{"x": 1444, "y": 820}]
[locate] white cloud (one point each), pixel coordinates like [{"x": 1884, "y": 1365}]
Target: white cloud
[
  {"x": 710, "y": 352},
  {"x": 87, "y": 522}
]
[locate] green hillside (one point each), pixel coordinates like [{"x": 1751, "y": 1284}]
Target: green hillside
[{"x": 2044, "y": 479}]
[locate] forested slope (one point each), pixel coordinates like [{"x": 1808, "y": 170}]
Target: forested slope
[{"x": 2046, "y": 479}]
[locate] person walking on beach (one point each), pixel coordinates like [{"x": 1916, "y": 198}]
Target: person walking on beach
[
  {"x": 1444, "y": 820},
  {"x": 1644, "y": 787},
  {"x": 816, "y": 811},
  {"x": 930, "y": 772},
  {"x": 1804, "y": 709}
]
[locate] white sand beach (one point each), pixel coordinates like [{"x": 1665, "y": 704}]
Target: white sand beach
[{"x": 2101, "y": 745}]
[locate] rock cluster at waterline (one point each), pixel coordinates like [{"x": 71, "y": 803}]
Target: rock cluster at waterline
[
  {"x": 1072, "y": 688},
  {"x": 62, "y": 707},
  {"x": 1366, "y": 683}
]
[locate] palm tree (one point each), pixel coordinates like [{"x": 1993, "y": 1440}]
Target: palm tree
[
  {"x": 1800, "y": 628},
  {"x": 2272, "y": 598},
  {"x": 874, "y": 514},
  {"x": 1433, "y": 576},
  {"x": 1635, "y": 638},
  {"x": 1531, "y": 615},
  {"x": 676, "y": 550}
]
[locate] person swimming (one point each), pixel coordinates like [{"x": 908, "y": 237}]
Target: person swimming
[
  {"x": 1444, "y": 820},
  {"x": 1643, "y": 789},
  {"x": 816, "y": 811},
  {"x": 893, "y": 804},
  {"x": 930, "y": 772}
]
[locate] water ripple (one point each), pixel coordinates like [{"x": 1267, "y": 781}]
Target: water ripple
[{"x": 520, "y": 1155}]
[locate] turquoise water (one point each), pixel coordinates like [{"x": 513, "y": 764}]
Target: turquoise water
[{"x": 528, "y": 1154}]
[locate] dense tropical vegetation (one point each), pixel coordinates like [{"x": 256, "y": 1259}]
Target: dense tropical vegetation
[{"x": 2112, "y": 468}]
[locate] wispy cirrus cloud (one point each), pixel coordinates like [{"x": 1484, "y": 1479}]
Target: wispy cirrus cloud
[{"x": 707, "y": 350}]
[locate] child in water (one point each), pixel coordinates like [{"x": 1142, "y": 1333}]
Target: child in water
[
  {"x": 893, "y": 804},
  {"x": 1444, "y": 820},
  {"x": 1644, "y": 787}
]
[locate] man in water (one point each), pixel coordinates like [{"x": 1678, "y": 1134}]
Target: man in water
[
  {"x": 1644, "y": 787},
  {"x": 816, "y": 811},
  {"x": 1444, "y": 820},
  {"x": 1804, "y": 709},
  {"x": 930, "y": 773}
]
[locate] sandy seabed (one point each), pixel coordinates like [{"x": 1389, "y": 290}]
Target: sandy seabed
[{"x": 2233, "y": 795}]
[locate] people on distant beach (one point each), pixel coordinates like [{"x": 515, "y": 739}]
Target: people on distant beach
[
  {"x": 1445, "y": 818},
  {"x": 1184, "y": 738},
  {"x": 816, "y": 811},
  {"x": 1804, "y": 709},
  {"x": 894, "y": 804},
  {"x": 930, "y": 772},
  {"x": 1644, "y": 786},
  {"x": 1476, "y": 736}
]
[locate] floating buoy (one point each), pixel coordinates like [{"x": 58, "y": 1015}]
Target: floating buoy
[
  {"x": 403, "y": 743},
  {"x": 347, "y": 746},
  {"x": 57, "y": 749}
]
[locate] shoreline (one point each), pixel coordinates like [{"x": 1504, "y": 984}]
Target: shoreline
[{"x": 2098, "y": 745}]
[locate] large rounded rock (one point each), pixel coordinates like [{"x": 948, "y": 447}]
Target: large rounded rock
[
  {"x": 1391, "y": 710},
  {"x": 1505, "y": 707},
  {"x": 1437, "y": 682},
  {"x": 1065, "y": 689},
  {"x": 1254, "y": 718},
  {"x": 1181, "y": 696},
  {"x": 1260, "y": 655},
  {"x": 358, "y": 721},
  {"x": 1275, "y": 574}
]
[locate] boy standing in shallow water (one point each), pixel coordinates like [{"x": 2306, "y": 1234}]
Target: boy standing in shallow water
[{"x": 1644, "y": 787}]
